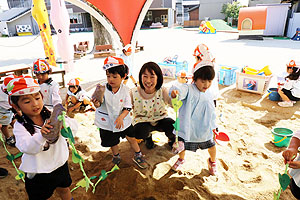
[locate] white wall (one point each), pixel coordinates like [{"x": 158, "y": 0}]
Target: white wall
[
  {"x": 24, "y": 20},
  {"x": 212, "y": 9},
  {"x": 294, "y": 23},
  {"x": 3, "y": 27},
  {"x": 254, "y": 2}
]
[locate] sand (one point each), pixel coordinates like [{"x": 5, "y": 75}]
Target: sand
[{"x": 248, "y": 166}]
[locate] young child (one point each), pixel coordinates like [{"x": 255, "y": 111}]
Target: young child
[
  {"x": 290, "y": 92},
  {"x": 6, "y": 113},
  {"x": 49, "y": 88},
  {"x": 291, "y": 157},
  {"x": 149, "y": 101},
  {"x": 76, "y": 97},
  {"x": 281, "y": 77},
  {"x": 203, "y": 55},
  {"x": 197, "y": 116},
  {"x": 112, "y": 114},
  {"x": 126, "y": 56},
  {"x": 45, "y": 165}
]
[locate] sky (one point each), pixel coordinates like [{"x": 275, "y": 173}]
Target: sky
[{"x": 3, "y": 4}]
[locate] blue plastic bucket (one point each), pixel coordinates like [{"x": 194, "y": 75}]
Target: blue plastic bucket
[
  {"x": 274, "y": 96},
  {"x": 282, "y": 136},
  {"x": 227, "y": 75}
]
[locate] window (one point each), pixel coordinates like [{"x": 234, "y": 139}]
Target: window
[
  {"x": 149, "y": 16},
  {"x": 75, "y": 18}
]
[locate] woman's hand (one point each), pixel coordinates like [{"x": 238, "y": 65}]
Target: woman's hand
[
  {"x": 174, "y": 93},
  {"x": 119, "y": 122},
  {"x": 46, "y": 127}
]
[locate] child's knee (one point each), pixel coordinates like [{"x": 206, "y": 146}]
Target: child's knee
[{"x": 73, "y": 100}]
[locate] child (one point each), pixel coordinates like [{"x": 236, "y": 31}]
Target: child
[
  {"x": 197, "y": 116},
  {"x": 290, "y": 92},
  {"x": 126, "y": 56},
  {"x": 49, "y": 88},
  {"x": 6, "y": 114},
  {"x": 112, "y": 114},
  {"x": 45, "y": 165},
  {"x": 149, "y": 105},
  {"x": 283, "y": 75},
  {"x": 77, "y": 97},
  {"x": 290, "y": 157},
  {"x": 204, "y": 56}
]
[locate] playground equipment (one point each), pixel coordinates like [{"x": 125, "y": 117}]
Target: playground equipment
[
  {"x": 297, "y": 35},
  {"x": 206, "y": 28},
  {"x": 40, "y": 14}
]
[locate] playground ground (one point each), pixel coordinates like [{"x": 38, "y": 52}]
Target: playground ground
[{"x": 247, "y": 168}]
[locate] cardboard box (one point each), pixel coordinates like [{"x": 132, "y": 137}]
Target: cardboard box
[{"x": 252, "y": 83}]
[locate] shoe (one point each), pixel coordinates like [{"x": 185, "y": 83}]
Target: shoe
[
  {"x": 212, "y": 167},
  {"x": 149, "y": 142},
  {"x": 140, "y": 162},
  {"x": 116, "y": 160},
  {"x": 286, "y": 104},
  {"x": 178, "y": 147},
  {"x": 178, "y": 164},
  {"x": 11, "y": 141},
  {"x": 3, "y": 172}
]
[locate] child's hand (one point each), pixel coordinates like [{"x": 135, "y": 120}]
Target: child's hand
[
  {"x": 289, "y": 155},
  {"x": 174, "y": 93},
  {"x": 46, "y": 127},
  {"x": 119, "y": 122},
  {"x": 96, "y": 103}
]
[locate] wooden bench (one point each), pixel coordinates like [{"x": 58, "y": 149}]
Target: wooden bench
[
  {"x": 104, "y": 51},
  {"x": 17, "y": 69}
]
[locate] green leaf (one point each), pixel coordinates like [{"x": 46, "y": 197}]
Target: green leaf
[
  {"x": 10, "y": 157},
  {"x": 20, "y": 175},
  {"x": 18, "y": 155},
  {"x": 177, "y": 124},
  {"x": 93, "y": 177},
  {"x": 176, "y": 104},
  {"x": 81, "y": 183},
  {"x": 103, "y": 175},
  {"x": 76, "y": 158},
  {"x": 67, "y": 133},
  {"x": 284, "y": 181}
]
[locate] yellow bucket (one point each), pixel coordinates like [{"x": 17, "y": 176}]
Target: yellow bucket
[
  {"x": 266, "y": 70},
  {"x": 249, "y": 70}
]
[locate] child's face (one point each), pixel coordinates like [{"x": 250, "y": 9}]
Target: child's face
[
  {"x": 31, "y": 104},
  {"x": 289, "y": 70},
  {"x": 73, "y": 89},
  {"x": 203, "y": 85},
  {"x": 149, "y": 81},
  {"x": 127, "y": 53},
  {"x": 114, "y": 80},
  {"x": 42, "y": 77}
]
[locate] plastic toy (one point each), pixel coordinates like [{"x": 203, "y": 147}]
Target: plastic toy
[
  {"x": 221, "y": 138},
  {"x": 206, "y": 28}
]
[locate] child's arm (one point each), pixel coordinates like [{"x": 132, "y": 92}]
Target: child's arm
[
  {"x": 290, "y": 154},
  {"x": 66, "y": 100},
  {"x": 119, "y": 121},
  {"x": 77, "y": 105}
]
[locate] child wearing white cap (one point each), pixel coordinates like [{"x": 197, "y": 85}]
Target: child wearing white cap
[
  {"x": 49, "y": 88},
  {"x": 127, "y": 57},
  {"x": 45, "y": 163},
  {"x": 197, "y": 116},
  {"x": 112, "y": 114}
]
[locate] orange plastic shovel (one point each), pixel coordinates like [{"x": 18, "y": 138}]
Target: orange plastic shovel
[{"x": 221, "y": 138}]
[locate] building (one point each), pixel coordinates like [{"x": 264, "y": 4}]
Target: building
[{"x": 160, "y": 11}]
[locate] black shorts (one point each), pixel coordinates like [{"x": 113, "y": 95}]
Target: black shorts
[
  {"x": 193, "y": 146},
  {"x": 42, "y": 186},
  {"x": 109, "y": 138},
  {"x": 288, "y": 93},
  {"x": 295, "y": 189}
]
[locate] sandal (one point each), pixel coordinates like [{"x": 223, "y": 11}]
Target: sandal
[{"x": 178, "y": 164}]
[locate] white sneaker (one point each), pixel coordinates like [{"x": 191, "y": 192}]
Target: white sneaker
[{"x": 286, "y": 104}]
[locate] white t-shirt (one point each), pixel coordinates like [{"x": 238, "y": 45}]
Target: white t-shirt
[
  {"x": 294, "y": 86},
  {"x": 295, "y": 173},
  {"x": 80, "y": 96},
  {"x": 34, "y": 159},
  {"x": 50, "y": 91},
  {"x": 112, "y": 107}
]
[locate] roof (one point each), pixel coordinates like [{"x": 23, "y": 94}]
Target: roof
[
  {"x": 13, "y": 13},
  {"x": 193, "y": 8}
]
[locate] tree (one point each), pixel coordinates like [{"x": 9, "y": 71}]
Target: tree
[
  {"x": 101, "y": 35},
  {"x": 231, "y": 10}
]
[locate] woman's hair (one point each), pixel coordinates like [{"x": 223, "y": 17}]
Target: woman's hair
[
  {"x": 25, "y": 120},
  {"x": 204, "y": 73},
  {"x": 78, "y": 88},
  {"x": 295, "y": 74},
  {"x": 151, "y": 67},
  {"x": 122, "y": 70}
]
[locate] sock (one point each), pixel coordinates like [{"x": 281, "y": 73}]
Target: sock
[
  {"x": 138, "y": 154},
  {"x": 117, "y": 155}
]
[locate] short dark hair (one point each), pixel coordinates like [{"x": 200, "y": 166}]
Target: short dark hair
[
  {"x": 204, "y": 73},
  {"x": 122, "y": 70},
  {"x": 152, "y": 67}
]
